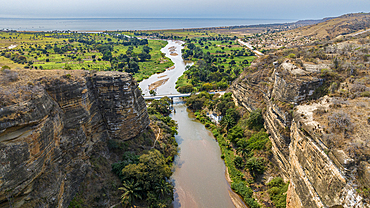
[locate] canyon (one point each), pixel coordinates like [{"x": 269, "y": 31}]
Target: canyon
[
  {"x": 321, "y": 168},
  {"x": 47, "y": 140}
]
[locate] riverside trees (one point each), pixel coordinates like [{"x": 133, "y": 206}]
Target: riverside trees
[
  {"x": 218, "y": 61},
  {"x": 244, "y": 143},
  {"x": 145, "y": 177}
]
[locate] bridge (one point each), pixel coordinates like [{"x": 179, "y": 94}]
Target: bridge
[{"x": 157, "y": 97}]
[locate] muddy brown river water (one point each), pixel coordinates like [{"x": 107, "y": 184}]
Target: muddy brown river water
[{"x": 199, "y": 171}]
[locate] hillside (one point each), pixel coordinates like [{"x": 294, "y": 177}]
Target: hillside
[
  {"x": 315, "y": 100},
  {"x": 328, "y": 29}
]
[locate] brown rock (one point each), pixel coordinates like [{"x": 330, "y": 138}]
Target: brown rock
[{"x": 46, "y": 141}]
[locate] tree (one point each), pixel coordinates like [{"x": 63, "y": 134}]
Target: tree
[
  {"x": 207, "y": 86},
  {"x": 242, "y": 151},
  {"x": 147, "y": 49},
  {"x": 131, "y": 191},
  {"x": 228, "y": 122},
  {"x": 164, "y": 188},
  {"x": 255, "y": 120},
  {"x": 107, "y": 56},
  {"x": 162, "y": 106},
  {"x": 233, "y": 113},
  {"x": 150, "y": 170},
  {"x": 133, "y": 67},
  {"x": 152, "y": 93},
  {"x": 239, "y": 162},
  {"x": 255, "y": 165}
]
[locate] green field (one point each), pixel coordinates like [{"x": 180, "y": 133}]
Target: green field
[
  {"x": 218, "y": 61},
  {"x": 79, "y": 51},
  {"x": 112, "y": 51}
]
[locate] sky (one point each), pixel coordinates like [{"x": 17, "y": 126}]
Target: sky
[{"x": 249, "y": 9}]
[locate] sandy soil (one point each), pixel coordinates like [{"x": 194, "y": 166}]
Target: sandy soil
[
  {"x": 170, "y": 68},
  {"x": 235, "y": 198},
  {"x": 163, "y": 61},
  {"x": 162, "y": 76},
  {"x": 158, "y": 83}
]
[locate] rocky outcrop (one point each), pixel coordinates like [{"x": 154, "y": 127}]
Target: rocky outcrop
[
  {"x": 322, "y": 173},
  {"x": 46, "y": 141}
]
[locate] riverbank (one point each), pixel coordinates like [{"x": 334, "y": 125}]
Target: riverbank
[
  {"x": 199, "y": 171},
  {"x": 172, "y": 72}
]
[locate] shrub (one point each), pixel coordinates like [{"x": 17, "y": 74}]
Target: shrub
[
  {"x": 273, "y": 191},
  {"x": 256, "y": 165},
  {"x": 242, "y": 189},
  {"x": 340, "y": 121},
  {"x": 277, "y": 191},
  {"x": 358, "y": 88},
  {"x": 333, "y": 87},
  {"x": 152, "y": 92},
  {"x": 258, "y": 141},
  {"x": 5, "y": 67},
  {"x": 186, "y": 89},
  {"x": 276, "y": 182},
  {"x": 292, "y": 55},
  {"x": 255, "y": 120},
  {"x": 365, "y": 94},
  {"x": 239, "y": 162}
]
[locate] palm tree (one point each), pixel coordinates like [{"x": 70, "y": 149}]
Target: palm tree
[
  {"x": 243, "y": 151},
  {"x": 228, "y": 121},
  {"x": 255, "y": 165},
  {"x": 164, "y": 188},
  {"x": 131, "y": 190}
]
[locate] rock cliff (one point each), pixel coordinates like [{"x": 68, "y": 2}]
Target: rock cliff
[
  {"x": 53, "y": 122},
  {"x": 325, "y": 167}
]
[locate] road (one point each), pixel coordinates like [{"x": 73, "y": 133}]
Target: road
[
  {"x": 250, "y": 47},
  {"x": 359, "y": 33}
]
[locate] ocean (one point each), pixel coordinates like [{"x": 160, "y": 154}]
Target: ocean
[{"x": 101, "y": 24}]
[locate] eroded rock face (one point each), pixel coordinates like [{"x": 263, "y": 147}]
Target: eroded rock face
[
  {"x": 316, "y": 179},
  {"x": 320, "y": 174},
  {"x": 46, "y": 141}
]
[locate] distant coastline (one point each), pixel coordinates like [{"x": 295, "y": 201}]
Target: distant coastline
[{"x": 111, "y": 24}]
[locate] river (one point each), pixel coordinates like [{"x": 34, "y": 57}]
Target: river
[
  {"x": 174, "y": 48},
  {"x": 199, "y": 171}
]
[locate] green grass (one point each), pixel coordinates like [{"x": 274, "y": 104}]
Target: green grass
[
  {"x": 80, "y": 56},
  {"x": 182, "y": 81},
  {"x": 157, "y": 63}
]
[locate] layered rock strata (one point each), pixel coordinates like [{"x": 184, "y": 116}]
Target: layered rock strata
[
  {"x": 320, "y": 175},
  {"x": 46, "y": 141}
]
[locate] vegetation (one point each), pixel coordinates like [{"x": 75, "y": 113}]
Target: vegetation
[
  {"x": 218, "y": 61},
  {"x": 244, "y": 143},
  {"x": 146, "y": 176},
  {"x": 91, "y": 51},
  {"x": 277, "y": 191}
]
